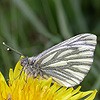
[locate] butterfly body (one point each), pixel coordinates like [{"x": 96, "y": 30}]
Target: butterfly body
[{"x": 67, "y": 62}]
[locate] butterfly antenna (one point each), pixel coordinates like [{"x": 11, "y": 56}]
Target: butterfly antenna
[{"x": 10, "y": 48}]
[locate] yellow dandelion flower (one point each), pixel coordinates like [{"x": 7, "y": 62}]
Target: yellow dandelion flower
[{"x": 19, "y": 87}]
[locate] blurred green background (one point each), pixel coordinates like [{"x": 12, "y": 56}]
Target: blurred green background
[{"x": 31, "y": 26}]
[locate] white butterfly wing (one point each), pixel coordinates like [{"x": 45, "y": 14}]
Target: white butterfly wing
[{"x": 69, "y": 61}]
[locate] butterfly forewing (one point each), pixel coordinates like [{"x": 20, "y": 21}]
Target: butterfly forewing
[{"x": 69, "y": 61}]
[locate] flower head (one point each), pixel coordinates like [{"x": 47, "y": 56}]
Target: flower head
[{"x": 21, "y": 87}]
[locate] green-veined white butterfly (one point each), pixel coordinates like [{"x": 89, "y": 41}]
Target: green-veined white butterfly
[{"x": 67, "y": 62}]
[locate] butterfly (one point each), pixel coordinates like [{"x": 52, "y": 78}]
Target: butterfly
[{"x": 67, "y": 62}]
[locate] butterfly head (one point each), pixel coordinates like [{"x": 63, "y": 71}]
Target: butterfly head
[
  {"x": 24, "y": 61},
  {"x": 27, "y": 61},
  {"x": 29, "y": 67}
]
